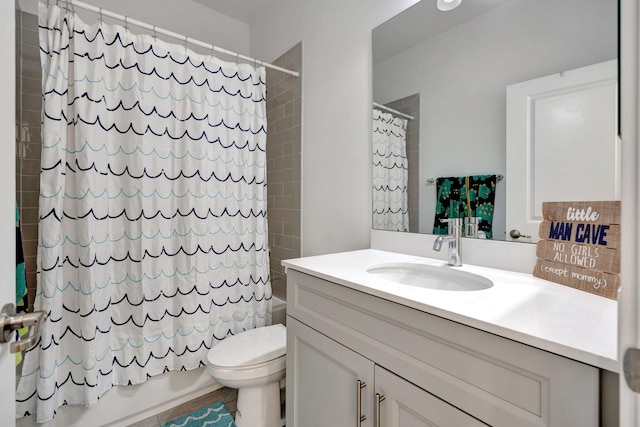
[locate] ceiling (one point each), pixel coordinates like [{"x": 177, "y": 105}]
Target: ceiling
[
  {"x": 242, "y": 10},
  {"x": 421, "y": 22}
]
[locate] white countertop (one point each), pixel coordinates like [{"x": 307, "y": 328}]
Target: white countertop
[{"x": 542, "y": 314}]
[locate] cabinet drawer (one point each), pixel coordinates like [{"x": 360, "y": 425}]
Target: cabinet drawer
[{"x": 498, "y": 381}]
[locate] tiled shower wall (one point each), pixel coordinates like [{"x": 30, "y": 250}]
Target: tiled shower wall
[
  {"x": 284, "y": 164},
  {"x": 28, "y": 106},
  {"x": 411, "y": 106},
  {"x": 283, "y": 152}
]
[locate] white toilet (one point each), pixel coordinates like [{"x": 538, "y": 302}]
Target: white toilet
[{"x": 253, "y": 362}]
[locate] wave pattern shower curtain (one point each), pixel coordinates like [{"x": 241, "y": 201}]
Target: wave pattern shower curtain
[
  {"x": 153, "y": 236},
  {"x": 390, "y": 172}
]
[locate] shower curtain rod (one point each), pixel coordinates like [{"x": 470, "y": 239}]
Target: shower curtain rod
[
  {"x": 391, "y": 110},
  {"x": 100, "y": 11}
]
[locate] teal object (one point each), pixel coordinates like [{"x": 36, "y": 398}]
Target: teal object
[
  {"x": 214, "y": 415},
  {"x": 21, "y": 276},
  {"x": 466, "y": 196}
]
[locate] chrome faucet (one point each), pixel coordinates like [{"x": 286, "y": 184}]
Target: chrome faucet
[{"x": 455, "y": 231}]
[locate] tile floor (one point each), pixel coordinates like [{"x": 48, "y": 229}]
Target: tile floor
[{"x": 226, "y": 395}]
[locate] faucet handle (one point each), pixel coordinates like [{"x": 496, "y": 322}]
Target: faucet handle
[
  {"x": 471, "y": 226},
  {"x": 454, "y": 221}
]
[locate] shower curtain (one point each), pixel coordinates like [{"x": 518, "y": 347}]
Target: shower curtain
[
  {"x": 390, "y": 172},
  {"x": 153, "y": 236}
]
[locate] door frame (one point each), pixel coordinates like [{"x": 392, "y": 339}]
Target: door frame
[
  {"x": 629, "y": 295},
  {"x": 7, "y": 199}
]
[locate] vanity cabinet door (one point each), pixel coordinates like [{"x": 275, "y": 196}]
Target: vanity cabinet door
[
  {"x": 327, "y": 383},
  {"x": 402, "y": 404}
]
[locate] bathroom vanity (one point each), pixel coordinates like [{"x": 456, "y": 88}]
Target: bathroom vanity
[{"x": 363, "y": 350}]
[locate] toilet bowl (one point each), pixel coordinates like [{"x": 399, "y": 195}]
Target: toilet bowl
[{"x": 254, "y": 363}]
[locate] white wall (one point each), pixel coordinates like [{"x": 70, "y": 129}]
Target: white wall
[
  {"x": 181, "y": 16},
  {"x": 336, "y": 75},
  {"x": 466, "y": 70},
  {"x": 336, "y": 104}
]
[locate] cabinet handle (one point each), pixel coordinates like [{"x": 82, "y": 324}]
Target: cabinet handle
[
  {"x": 361, "y": 418},
  {"x": 379, "y": 399}
]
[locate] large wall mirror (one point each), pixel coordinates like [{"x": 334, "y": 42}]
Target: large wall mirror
[{"x": 515, "y": 100}]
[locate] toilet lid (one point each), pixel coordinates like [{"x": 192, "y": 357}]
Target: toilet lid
[{"x": 250, "y": 347}]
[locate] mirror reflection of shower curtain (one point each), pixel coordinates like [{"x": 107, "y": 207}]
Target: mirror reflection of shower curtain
[
  {"x": 390, "y": 172},
  {"x": 152, "y": 243}
]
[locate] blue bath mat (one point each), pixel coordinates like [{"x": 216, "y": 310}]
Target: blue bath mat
[{"x": 215, "y": 415}]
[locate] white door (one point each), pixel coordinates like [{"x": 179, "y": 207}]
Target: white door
[
  {"x": 562, "y": 143},
  {"x": 7, "y": 201}
]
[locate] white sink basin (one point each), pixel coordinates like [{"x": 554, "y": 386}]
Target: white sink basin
[{"x": 430, "y": 276}]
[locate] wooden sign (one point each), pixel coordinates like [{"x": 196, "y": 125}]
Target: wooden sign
[{"x": 579, "y": 246}]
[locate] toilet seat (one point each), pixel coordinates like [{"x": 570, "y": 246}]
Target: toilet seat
[
  {"x": 248, "y": 372},
  {"x": 250, "y": 354}
]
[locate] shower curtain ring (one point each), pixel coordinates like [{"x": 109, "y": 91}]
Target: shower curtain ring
[
  {"x": 186, "y": 40},
  {"x": 100, "y": 18},
  {"x": 155, "y": 35},
  {"x": 237, "y": 57},
  {"x": 126, "y": 24}
]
